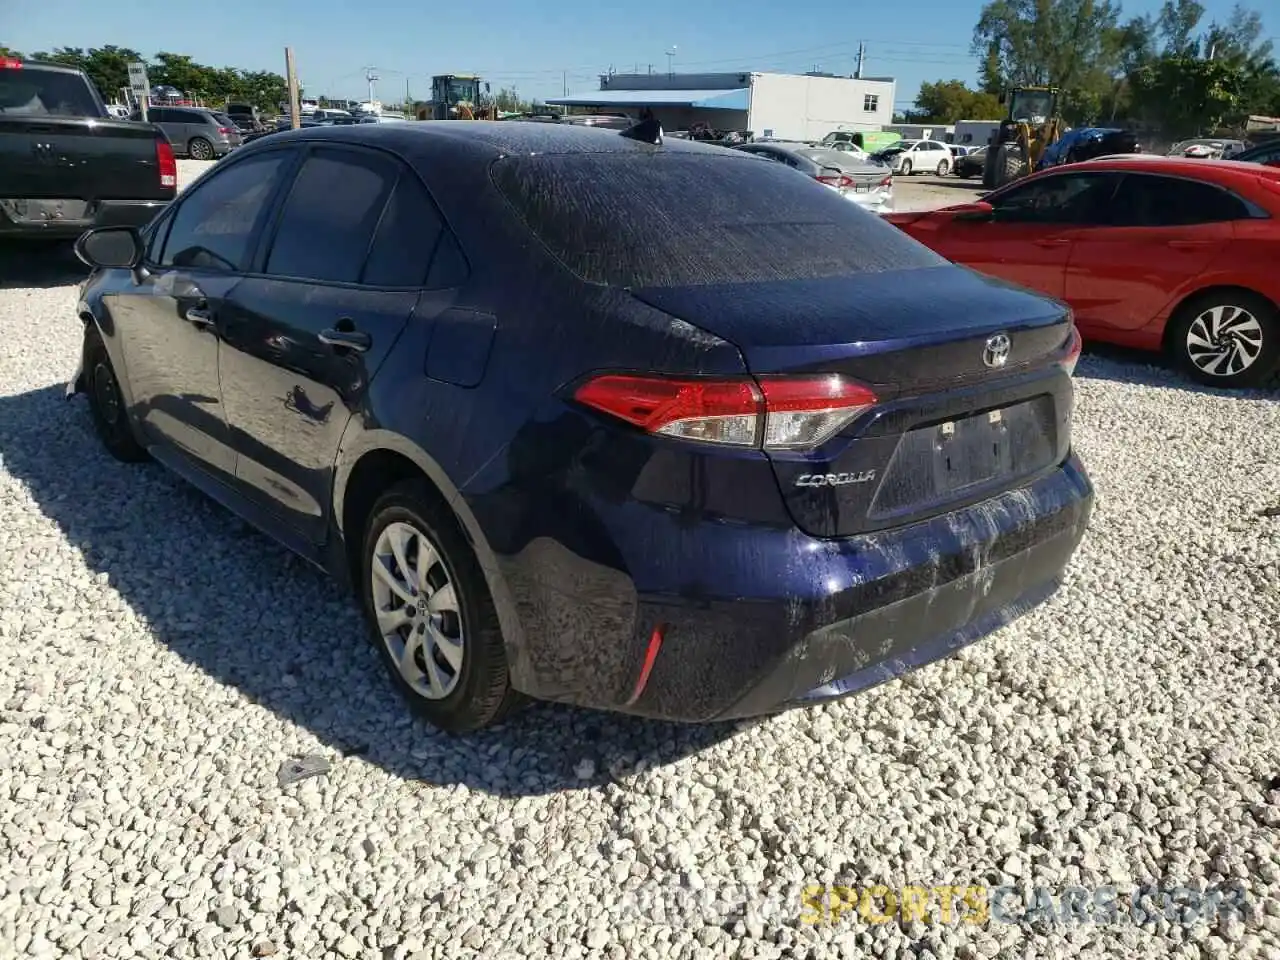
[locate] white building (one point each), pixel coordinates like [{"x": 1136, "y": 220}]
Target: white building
[{"x": 785, "y": 106}]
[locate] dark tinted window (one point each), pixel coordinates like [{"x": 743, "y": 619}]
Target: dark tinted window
[
  {"x": 1062, "y": 198},
  {"x": 192, "y": 116},
  {"x": 669, "y": 219},
  {"x": 32, "y": 92},
  {"x": 218, "y": 219},
  {"x": 1264, "y": 153},
  {"x": 449, "y": 267},
  {"x": 328, "y": 220},
  {"x": 1153, "y": 201},
  {"x": 406, "y": 238}
]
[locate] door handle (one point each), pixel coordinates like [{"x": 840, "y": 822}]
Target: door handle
[
  {"x": 199, "y": 316},
  {"x": 1051, "y": 242},
  {"x": 341, "y": 339}
]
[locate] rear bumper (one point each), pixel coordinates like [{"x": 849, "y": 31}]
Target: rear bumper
[
  {"x": 34, "y": 223},
  {"x": 793, "y": 620}
]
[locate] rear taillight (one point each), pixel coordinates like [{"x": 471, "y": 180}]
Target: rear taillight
[
  {"x": 10, "y": 63},
  {"x": 839, "y": 183},
  {"x": 887, "y": 181},
  {"x": 224, "y": 130},
  {"x": 1074, "y": 349},
  {"x": 776, "y": 413},
  {"x": 167, "y": 164}
]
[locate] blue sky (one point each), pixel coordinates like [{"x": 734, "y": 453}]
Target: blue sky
[{"x": 539, "y": 50}]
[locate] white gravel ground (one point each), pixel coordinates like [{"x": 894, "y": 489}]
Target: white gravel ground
[{"x": 159, "y": 662}]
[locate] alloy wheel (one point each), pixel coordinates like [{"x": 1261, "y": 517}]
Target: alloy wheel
[
  {"x": 416, "y": 605},
  {"x": 1224, "y": 340}
]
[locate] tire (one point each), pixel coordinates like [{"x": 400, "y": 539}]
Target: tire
[
  {"x": 1010, "y": 163},
  {"x": 106, "y": 402},
  {"x": 1247, "y": 332},
  {"x": 906, "y": 168},
  {"x": 943, "y": 168},
  {"x": 458, "y": 687},
  {"x": 200, "y": 149}
]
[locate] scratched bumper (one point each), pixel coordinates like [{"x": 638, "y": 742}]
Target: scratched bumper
[{"x": 880, "y": 606}]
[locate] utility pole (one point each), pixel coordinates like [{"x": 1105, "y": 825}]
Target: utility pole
[
  {"x": 370, "y": 78},
  {"x": 671, "y": 54},
  {"x": 862, "y": 52},
  {"x": 564, "y": 82},
  {"x": 408, "y": 101},
  {"x": 291, "y": 76}
]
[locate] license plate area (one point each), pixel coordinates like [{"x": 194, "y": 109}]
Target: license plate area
[{"x": 951, "y": 459}]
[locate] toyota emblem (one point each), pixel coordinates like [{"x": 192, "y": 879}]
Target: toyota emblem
[{"x": 996, "y": 352}]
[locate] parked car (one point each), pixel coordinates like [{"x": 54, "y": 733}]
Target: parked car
[
  {"x": 866, "y": 183},
  {"x": 917, "y": 156},
  {"x": 972, "y": 163},
  {"x": 1207, "y": 148},
  {"x": 1157, "y": 253},
  {"x": 196, "y": 132},
  {"x": 691, "y": 440},
  {"x": 246, "y": 118},
  {"x": 66, "y": 164},
  {"x": 1267, "y": 153}
]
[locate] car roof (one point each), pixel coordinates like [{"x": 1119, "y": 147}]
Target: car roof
[
  {"x": 493, "y": 139},
  {"x": 1214, "y": 171}
]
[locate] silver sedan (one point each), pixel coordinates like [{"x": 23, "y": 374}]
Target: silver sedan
[{"x": 866, "y": 182}]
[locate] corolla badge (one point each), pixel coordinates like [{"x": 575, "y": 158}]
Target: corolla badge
[
  {"x": 996, "y": 352},
  {"x": 834, "y": 479}
]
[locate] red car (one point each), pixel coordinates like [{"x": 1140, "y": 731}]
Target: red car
[{"x": 1159, "y": 253}]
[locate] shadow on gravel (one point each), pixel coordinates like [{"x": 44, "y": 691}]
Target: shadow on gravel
[
  {"x": 251, "y": 615},
  {"x": 1103, "y": 361},
  {"x": 39, "y": 263}
]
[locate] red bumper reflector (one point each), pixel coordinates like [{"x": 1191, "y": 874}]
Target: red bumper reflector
[{"x": 650, "y": 655}]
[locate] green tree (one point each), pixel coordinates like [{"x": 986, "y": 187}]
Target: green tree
[
  {"x": 1069, "y": 44},
  {"x": 9, "y": 52},
  {"x": 108, "y": 68},
  {"x": 1188, "y": 95},
  {"x": 947, "y": 101}
]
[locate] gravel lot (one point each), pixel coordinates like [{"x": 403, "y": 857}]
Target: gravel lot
[{"x": 159, "y": 662}]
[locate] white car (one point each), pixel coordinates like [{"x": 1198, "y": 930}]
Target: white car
[{"x": 919, "y": 156}]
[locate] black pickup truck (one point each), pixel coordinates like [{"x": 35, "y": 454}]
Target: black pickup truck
[{"x": 66, "y": 165}]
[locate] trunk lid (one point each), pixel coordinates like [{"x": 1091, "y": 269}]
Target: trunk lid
[{"x": 949, "y": 428}]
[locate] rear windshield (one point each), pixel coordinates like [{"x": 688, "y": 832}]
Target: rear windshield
[
  {"x": 829, "y": 158},
  {"x": 45, "y": 93},
  {"x": 674, "y": 219}
]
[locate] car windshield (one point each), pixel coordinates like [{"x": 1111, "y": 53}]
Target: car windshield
[
  {"x": 680, "y": 219},
  {"x": 45, "y": 93}
]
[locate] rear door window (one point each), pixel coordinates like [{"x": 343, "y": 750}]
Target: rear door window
[
  {"x": 406, "y": 238},
  {"x": 679, "y": 218},
  {"x": 33, "y": 92},
  {"x": 329, "y": 218},
  {"x": 1148, "y": 200}
]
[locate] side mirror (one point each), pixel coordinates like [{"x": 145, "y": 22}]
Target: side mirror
[
  {"x": 110, "y": 247},
  {"x": 975, "y": 212}
]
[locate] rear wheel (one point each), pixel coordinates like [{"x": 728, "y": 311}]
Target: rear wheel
[
  {"x": 106, "y": 402},
  {"x": 430, "y": 613},
  {"x": 1228, "y": 338},
  {"x": 200, "y": 149},
  {"x": 906, "y": 168},
  {"x": 943, "y": 167}
]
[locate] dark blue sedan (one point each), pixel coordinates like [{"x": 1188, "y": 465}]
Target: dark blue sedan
[{"x": 590, "y": 417}]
